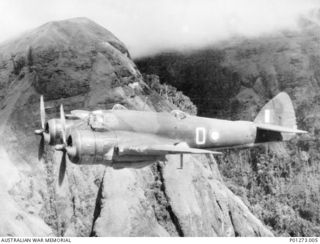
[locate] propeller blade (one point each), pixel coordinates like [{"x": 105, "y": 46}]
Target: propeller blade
[
  {"x": 63, "y": 122},
  {"x": 63, "y": 166},
  {"x": 41, "y": 148},
  {"x": 42, "y": 113}
]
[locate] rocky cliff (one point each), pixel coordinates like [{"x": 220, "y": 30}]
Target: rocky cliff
[
  {"x": 82, "y": 65},
  {"x": 235, "y": 79}
]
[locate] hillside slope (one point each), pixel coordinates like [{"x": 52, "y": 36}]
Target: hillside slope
[
  {"x": 235, "y": 79},
  {"x": 80, "y": 64}
]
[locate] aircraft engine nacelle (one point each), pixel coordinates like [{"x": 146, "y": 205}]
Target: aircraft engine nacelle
[{"x": 89, "y": 147}]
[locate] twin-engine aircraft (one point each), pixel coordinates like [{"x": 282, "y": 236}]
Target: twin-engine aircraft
[{"x": 123, "y": 138}]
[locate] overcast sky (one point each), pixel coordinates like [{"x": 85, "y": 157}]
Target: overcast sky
[{"x": 147, "y": 26}]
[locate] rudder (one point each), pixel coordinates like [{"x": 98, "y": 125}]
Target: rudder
[{"x": 278, "y": 111}]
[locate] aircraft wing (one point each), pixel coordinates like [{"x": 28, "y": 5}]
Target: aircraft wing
[
  {"x": 78, "y": 114},
  {"x": 161, "y": 149}
]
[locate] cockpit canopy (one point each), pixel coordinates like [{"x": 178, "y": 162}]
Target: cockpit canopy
[{"x": 179, "y": 114}]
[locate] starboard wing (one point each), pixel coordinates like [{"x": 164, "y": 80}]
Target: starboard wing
[{"x": 78, "y": 114}]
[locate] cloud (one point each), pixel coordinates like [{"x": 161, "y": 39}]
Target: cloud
[{"x": 149, "y": 26}]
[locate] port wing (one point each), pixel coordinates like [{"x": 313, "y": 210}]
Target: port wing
[{"x": 162, "y": 149}]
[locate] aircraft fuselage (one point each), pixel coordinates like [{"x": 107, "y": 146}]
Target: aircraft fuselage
[{"x": 198, "y": 132}]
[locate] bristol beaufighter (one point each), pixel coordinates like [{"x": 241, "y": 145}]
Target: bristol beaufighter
[{"x": 126, "y": 138}]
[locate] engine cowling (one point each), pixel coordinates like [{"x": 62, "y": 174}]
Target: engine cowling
[
  {"x": 89, "y": 147},
  {"x": 54, "y": 130}
]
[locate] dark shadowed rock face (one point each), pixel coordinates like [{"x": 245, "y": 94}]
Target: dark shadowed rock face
[
  {"x": 80, "y": 64},
  {"x": 236, "y": 78}
]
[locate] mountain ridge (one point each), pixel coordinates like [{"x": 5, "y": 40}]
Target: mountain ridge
[
  {"x": 77, "y": 32},
  {"x": 94, "y": 200}
]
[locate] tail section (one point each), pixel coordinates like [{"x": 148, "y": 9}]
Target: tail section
[{"x": 277, "y": 118}]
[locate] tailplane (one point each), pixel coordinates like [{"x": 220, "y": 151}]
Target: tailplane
[{"x": 278, "y": 117}]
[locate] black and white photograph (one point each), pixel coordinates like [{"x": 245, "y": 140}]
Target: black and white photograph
[{"x": 159, "y": 118}]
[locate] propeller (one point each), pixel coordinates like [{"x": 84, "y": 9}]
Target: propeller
[
  {"x": 62, "y": 147},
  {"x": 41, "y": 149},
  {"x": 42, "y": 132},
  {"x": 63, "y": 167}
]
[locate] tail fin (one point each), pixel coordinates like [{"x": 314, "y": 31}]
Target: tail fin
[{"x": 278, "y": 115}]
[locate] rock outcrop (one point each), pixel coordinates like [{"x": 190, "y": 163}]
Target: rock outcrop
[{"x": 82, "y": 65}]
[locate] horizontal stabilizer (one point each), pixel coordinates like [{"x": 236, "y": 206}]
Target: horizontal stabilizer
[{"x": 279, "y": 128}]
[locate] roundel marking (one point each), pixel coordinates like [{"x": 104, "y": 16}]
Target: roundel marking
[{"x": 215, "y": 135}]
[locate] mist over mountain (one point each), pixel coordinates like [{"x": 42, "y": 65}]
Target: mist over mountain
[
  {"x": 81, "y": 65},
  {"x": 234, "y": 79},
  {"x": 149, "y": 27}
]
